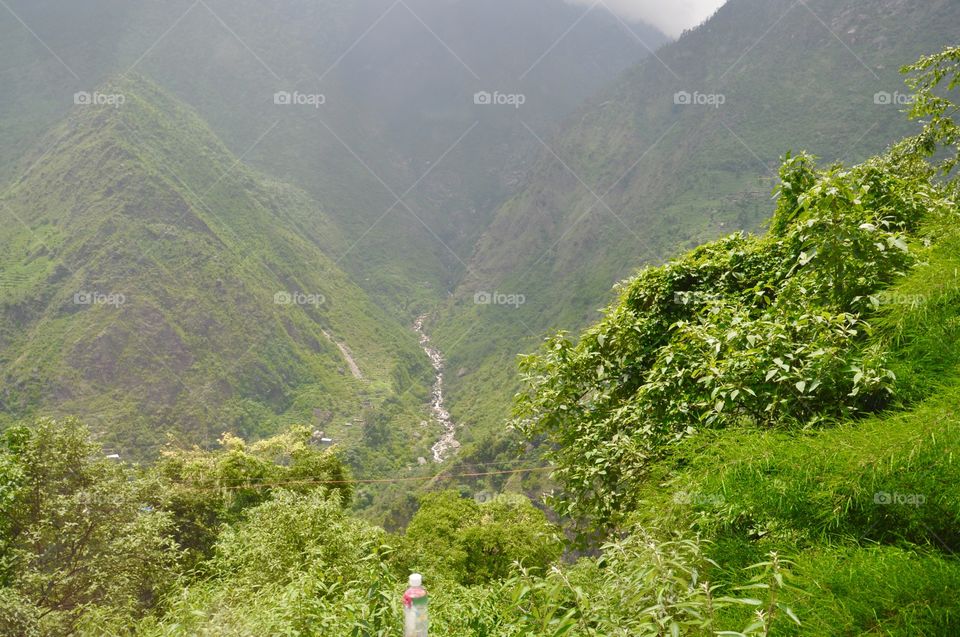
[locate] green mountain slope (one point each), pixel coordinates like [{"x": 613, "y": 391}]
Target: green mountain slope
[
  {"x": 635, "y": 176},
  {"x": 151, "y": 282},
  {"x": 399, "y": 81}
]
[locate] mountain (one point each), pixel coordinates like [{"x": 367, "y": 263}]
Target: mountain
[
  {"x": 682, "y": 148},
  {"x": 757, "y": 438},
  {"x": 152, "y": 283},
  {"x": 398, "y": 81}
]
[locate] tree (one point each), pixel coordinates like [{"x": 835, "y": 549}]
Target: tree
[
  {"x": 295, "y": 534},
  {"x": 927, "y": 75},
  {"x": 457, "y": 538},
  {"x": 765, "y": 331},
  {"x": 76, "y": 532},
  {"x": 206, "y": 489}
]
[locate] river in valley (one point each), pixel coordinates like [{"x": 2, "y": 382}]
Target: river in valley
[{"x": 447, "y": 443}]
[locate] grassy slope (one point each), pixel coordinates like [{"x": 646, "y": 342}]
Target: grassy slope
[
  {"x": 865, "y": 566},
  {"x": 798, "y": 88},
  {"x": 144, "y": 201}
]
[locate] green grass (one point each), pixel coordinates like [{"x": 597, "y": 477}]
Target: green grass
[{"x": 865, "y": 563}]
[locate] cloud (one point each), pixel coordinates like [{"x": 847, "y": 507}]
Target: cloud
[{"x": 670, "y": 16}]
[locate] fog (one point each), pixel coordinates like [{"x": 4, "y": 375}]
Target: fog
[{"x": 670, "y": 16}]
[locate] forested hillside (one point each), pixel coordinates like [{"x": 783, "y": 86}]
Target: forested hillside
[
  {"x": 153, "y": 284},
  {"x": 207, "y": 194},
  {"x": 637, "y": 174},
  {"x": 756, "y": 438}
]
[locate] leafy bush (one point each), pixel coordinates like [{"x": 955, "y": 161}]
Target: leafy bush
[
  {"x": 293, "y": 533},
  {"x": 205, "y": 489},
  {"x": 760, "y": 331},
  {"x": 458, "y": 539},
  {"x": 642, "y": 585}
]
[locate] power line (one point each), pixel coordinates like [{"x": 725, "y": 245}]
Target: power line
[{"x": 269, "y": 485}]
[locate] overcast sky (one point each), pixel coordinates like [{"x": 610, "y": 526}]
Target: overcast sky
[{"x": 670, "y": 16}]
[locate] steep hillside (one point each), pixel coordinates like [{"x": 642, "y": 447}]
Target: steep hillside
[
  {"x": 638, "y": 173},
  {"x": 398, "y": 82},
  {"x": 151, "y": 283}
]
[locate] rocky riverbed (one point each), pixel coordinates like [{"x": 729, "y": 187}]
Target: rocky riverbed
[{"x": 447, "y": 443}]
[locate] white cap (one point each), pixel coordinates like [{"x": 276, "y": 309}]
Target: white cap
[{"x": 416, "y": 580}]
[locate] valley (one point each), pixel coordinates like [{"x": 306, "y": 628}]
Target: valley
[
  {"x": 636, "y": 175},
  {"x": 335, "y": 173},
  {"x": 507, "y": 318}
]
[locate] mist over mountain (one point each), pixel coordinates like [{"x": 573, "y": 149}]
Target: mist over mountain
[
  {"x": 364, "y": 106},
  {"x": 672, "y": 18},
  {"x": 152, "y": 285},
  {"x": 396, "y": 98}
]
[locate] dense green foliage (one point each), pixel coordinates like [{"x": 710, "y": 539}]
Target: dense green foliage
[
  {"x": 770, "y": 331},
  {"x": 204, "y": 490},
  {"x": 79, "y": 543},
  {"x": 766, "y": 331},
  {"x": 461, "y": 540},
  {"x": 96, "y": 548},
  {"x": 757, "y": 439}
]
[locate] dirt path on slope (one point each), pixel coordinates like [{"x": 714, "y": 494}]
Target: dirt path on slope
[{"x": 347, "y": 356}]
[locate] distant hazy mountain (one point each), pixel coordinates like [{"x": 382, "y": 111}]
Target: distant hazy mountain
[
  {"x": 398, "y": 81},
  {"x": 682, "y": 148},
  {"x": 150, "y": 282}
]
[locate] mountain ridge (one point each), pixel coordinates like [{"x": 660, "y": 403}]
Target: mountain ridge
[
  {"x": 397, "y": 99},
  {"x": 201, "y": 263}
]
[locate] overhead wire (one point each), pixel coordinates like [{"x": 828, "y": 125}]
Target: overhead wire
[{"x": 285, "y": 483}]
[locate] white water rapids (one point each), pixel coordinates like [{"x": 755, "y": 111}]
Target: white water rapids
[{"x": 448, "y": 441}]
